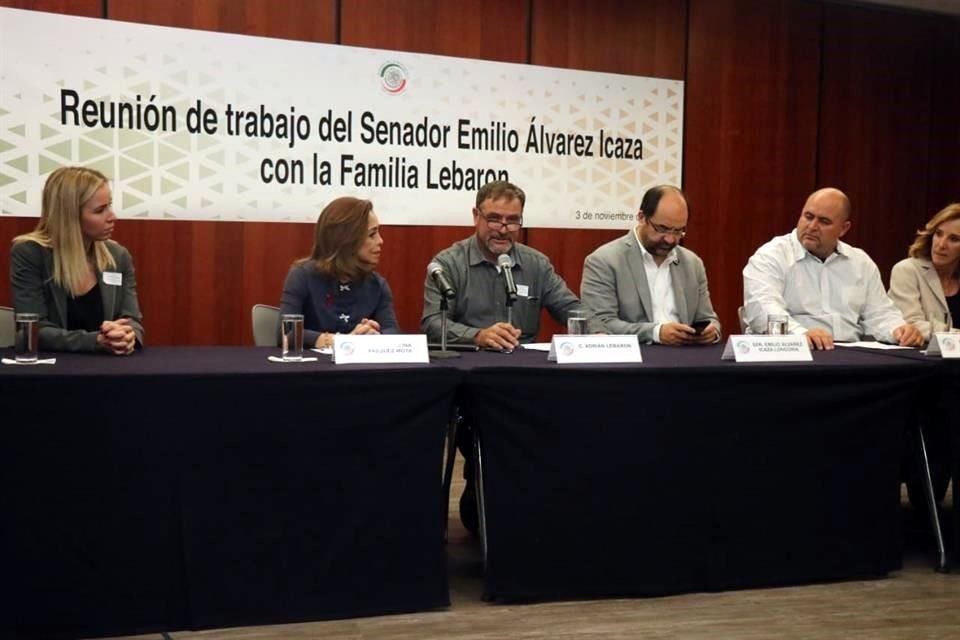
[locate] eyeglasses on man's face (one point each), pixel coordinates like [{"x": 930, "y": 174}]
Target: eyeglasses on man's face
[
  {"x": 496, "y": 221},
  {"x": 667, "y": 231}
]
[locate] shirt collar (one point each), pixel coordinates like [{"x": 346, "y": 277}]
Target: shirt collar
[
  {"x": 800, "y": 252},
  {"x": 673, "y": 257},
  {"x": 475, "y": 253}
]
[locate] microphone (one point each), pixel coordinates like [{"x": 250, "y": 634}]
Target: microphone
[
  {"x": 505, "y": 262},
  {"x": 435, "y": 271}
]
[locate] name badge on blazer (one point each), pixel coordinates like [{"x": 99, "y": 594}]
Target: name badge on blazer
[{"x": 114, "y": 278}]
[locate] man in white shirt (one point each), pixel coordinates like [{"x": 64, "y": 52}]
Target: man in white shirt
[
  {"x": 645, "y": 283},
  {"x": 828, "y": 289}
]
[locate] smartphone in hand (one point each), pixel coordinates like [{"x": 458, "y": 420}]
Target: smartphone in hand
[{"x": 700, "y": 326}]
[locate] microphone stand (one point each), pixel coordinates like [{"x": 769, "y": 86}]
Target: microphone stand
[
  {"x": 510, "y": 300},
  {"x": 443, "y": 352}
]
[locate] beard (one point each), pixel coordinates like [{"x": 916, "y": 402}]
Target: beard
[
  {"x": 663, "y": 248},
  {"x": 499, "y": 245}
]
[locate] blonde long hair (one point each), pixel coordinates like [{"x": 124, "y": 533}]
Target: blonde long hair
[
  {"x": 65, "y": 193},
  {"x": 923, "y": 244}
]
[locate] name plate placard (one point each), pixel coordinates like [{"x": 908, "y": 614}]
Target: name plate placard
[
  {"x": 945, "y": 345},
  {"x": 586, "y": 349},
  {"x": 757, "y": 348},
  {"x": 379, "y": 349}
]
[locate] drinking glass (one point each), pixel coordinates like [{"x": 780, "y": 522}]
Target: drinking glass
[
  {"x": 577, "y": 323},
  {"x": 26, "y": 337},
  {"x": 777, "y": 325},
  {"x": 291, "y": 326}
]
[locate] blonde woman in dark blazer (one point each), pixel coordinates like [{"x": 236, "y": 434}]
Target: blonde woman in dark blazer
[
  {"x": 79, "y": 282},
  {"x": 926, "y": 286}
]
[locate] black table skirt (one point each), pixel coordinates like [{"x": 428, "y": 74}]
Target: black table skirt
[
  {"x": 203, "y": 487},
  {"x": 951, "y": 401},
  {"x": 942, "y": 402},
  {"x": 690, "y": 474},
  {"x": 190, "y": 488}
]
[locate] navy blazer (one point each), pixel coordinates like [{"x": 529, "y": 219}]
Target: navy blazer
[{"x": 329, "y": 306}]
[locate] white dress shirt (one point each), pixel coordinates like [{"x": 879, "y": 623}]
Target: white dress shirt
[
  {"x": 660, "y": 283},
  {"x": 842, "y": 294}
]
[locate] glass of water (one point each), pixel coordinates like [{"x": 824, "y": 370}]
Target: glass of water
[
  {"x": 777, "y": 325},
  {"x": 291, "y": 327},
  {"x": 27, "y": 337},
  {"x": 577, "y": 323}
]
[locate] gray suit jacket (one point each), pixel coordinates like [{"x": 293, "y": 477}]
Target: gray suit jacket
[
  {"x": 615, "y": 289},
  {"x": 34, "y": 291},
  {"x": 916, "y": 290}
]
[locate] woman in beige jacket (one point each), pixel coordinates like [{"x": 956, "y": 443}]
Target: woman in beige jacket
[{"x": 926, "y": 286}]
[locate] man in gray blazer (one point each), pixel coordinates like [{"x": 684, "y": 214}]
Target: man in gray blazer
[{"x": 645, "y": 283}]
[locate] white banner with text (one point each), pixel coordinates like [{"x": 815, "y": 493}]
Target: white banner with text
[{"x": 211, "y": 126}]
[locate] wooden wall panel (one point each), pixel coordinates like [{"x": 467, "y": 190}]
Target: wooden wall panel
[
  {"x": 632, "y": 37},
  {"x": 944, "y": 165},
  {"x": 484, "y": 29},
  {"x": 875, "y": 123},
  {"x": 85, "y": 8},
  {"x": 751, "y": 127},
  {"x": 310, "y": 20},
  {"x": 643, "y": 38}
]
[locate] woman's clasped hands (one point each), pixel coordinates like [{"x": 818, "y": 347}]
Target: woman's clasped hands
[{"x": 117, "y": 337}]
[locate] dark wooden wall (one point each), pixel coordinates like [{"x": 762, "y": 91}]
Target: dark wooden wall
[{"x": 782, "y": 96}]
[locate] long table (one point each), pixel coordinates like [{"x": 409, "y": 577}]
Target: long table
[
  {"x": 203, "y": 487},
  {"x": 688, "y": 473}
]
